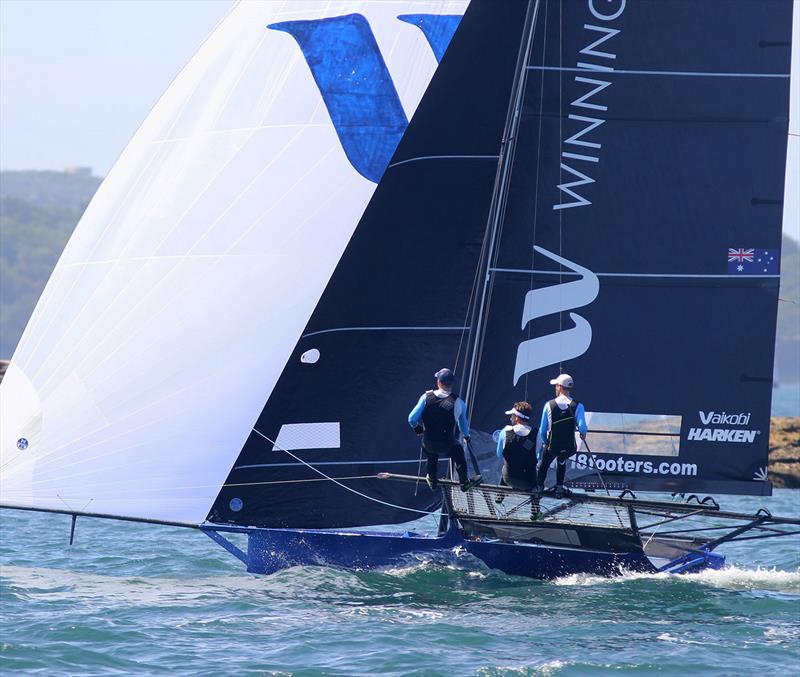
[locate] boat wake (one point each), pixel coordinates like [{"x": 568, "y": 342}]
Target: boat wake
[{"x": 728, "y": 578}]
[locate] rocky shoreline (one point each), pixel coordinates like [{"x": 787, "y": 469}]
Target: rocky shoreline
[{"x": 784, "y": 452}]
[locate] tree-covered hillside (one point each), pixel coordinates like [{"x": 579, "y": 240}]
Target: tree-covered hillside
[{"x": 39, "y": 210}]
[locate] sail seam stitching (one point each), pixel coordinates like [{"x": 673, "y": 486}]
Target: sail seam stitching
[
  {"x": 712, "y": 74},
  {"x": 444, "y": 157},
  {"x": 335, "y": 329},
  {"x": 666, "y": 275}
]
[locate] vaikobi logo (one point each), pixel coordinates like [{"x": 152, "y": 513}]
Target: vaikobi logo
[
  {"x": 723, "y": 418},
  {"x": 723, "y": 434}
]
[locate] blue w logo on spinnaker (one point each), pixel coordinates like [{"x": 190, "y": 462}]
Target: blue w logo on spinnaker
[{"x": 355, "y": 84}]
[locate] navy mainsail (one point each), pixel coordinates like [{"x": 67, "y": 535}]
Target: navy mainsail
[
  {"x": 640, "y": 245},
  {"x": 394, "y": 311}
]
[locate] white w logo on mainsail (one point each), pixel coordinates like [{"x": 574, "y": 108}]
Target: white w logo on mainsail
[
  {"x": 543, "y": 351},
  {"x": 355, "y": 83}
]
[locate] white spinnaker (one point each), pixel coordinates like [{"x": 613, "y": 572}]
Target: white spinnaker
[{"x": 189, "y": 279}]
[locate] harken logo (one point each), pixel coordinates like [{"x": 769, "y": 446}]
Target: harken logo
[{"x": 727, "y": 434}]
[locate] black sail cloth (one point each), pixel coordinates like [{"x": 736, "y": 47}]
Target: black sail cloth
[
  {"x": 407, "y": 272},
  {"x": 665, "y": 124},
  {"x": 651, "y": 148}
]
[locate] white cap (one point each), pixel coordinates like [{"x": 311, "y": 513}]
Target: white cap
[
  {"x": 564, "y": 380},
  {"x": 514, "y": 411}
]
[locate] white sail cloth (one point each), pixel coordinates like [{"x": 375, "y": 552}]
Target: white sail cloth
[{"x": 193, "y": 272}]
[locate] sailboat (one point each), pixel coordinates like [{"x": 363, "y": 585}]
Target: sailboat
[{"x": 334, "y": 199}]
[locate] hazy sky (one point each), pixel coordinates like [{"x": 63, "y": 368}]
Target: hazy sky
[{"x": 77, "y": 77}]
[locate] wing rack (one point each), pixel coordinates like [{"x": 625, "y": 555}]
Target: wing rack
[{"x": 662, "y": 526}]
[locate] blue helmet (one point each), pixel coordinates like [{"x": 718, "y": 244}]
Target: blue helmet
[{"x": 445, "y": 376}]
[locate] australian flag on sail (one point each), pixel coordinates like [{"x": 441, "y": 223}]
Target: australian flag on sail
[{"x": 743, "y": 261}]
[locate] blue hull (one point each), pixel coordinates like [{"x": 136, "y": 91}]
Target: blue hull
[{"x": 270, "y": 550}]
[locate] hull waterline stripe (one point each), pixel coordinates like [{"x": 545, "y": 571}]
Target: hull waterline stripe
[{"x": 696, "y": 74}]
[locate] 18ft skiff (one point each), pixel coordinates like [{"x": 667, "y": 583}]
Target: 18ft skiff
[{"x": 334, "y": 199}]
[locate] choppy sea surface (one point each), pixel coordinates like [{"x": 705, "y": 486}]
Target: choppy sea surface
[{"x": 149, "y": 600}]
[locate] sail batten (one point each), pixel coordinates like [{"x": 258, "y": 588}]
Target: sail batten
[{"x": 617, "y": 71}]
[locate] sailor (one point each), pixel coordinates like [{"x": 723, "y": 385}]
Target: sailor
[
  {"x": 517, "y": 446},
  {"x": 560, "y": 418},
  {"x": 437, "y": 417}
]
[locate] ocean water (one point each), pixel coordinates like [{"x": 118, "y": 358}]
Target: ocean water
[
  {"x": 786, "y": 400},
  {"x": 148, "y": 600}
]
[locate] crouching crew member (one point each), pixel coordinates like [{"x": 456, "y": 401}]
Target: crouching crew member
[
  {"x": 560, "y": 418},
  {"x": 517, "y": 446},
  {"x": 438, "y": 416}
]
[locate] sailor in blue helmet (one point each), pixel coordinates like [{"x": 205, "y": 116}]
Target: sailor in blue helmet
[
  {"x": 438, "y": 417},
  {"x": 560, "y": 418}
]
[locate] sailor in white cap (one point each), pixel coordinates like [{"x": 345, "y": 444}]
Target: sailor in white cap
[
  {"x": 517, "y": 447},
  {"x": 560, "y": 418}
]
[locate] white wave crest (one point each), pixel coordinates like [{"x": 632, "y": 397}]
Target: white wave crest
[
  {"x": 731, "y": 578},
  {"x": 546, "y": 669},
  {"x": 746, "y": 579}
]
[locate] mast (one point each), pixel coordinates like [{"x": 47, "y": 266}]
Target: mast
[{"x": 501, "y": 191}]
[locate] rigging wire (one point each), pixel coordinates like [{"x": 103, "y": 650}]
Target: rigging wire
[
  {"x": 560, "y": 180},
  {"x": 500, "y": 193},
  {"x": 538, "y": 166},
  {"x": 315, "y": 479},
  {"x": 215, "y": 487},
  {"x": 471, "y": 307},
  {"x": 343, "y": 486}
]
